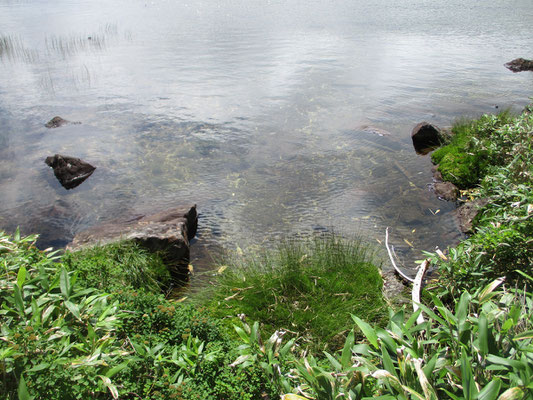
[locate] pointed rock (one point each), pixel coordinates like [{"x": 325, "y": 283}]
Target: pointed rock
[
  {"x": 519, "y": 65},
  {"x": 69, "y": 171}
]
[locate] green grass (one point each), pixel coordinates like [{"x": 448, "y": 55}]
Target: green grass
[
  {"x": 118, "y": 266},
  {"x": 466, "y": 159},
  {"x": 502, "y": 241},
  {"x": 307, "y": 288}
]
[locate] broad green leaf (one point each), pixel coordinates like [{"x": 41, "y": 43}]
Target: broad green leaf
[
  {"x": 461, "y": 309},
  {"x": 483, "y": 332},
  {"x": 254, "y": 332},
  {"x": 116, "y": 369},
  {"x": 21, "y": 277},
  {"x": 19, "y": 302},
  {"x": 507, "y": 362},
  {"x": 346, "y": 357},
  {"x": 64, "y": 283},
  {"x": 73, "y": 308},
  {"x": 368, "y": 331},
  {"x": 469, "y": 386},
  {"x": 39, "y": 367},
  {"x": 245, "y": 338},
  {"x": 514, "y": 393},
  {"x": 285, "y": 349},
  {"x": 334, "y": 363},
  {"x": 524, "y": 335},
  {"x": 22, "y": 392},
  {"x": 47, "y": 312},
  {"x": 387, "y": 361},
  {"x": 491, "y": 391}
]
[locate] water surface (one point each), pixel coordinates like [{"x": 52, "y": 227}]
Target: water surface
[{"x": 254, "y": 110}]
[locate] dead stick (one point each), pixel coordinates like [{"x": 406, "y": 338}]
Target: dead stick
[
  {"x": 398, "y": 270},
  {"x": 417, "y": 287}
]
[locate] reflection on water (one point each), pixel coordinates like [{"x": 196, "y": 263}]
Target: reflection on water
[{"x": 276, "y": 118}]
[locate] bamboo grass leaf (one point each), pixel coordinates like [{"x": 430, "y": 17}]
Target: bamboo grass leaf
[
  {"x": 469, "y": 386},
  {"x": 19, "y": 301},
  {"x": 514, "y": 393},
  {"x": 483, "y": 334},
  {"x": 21, "y": 277},
  {"x": 346, "y": 356},
  {"x": 64, "y": 283},
  {"x": 491, "y": 391},
  {"x": 22, "y": 392},
  {"x": 368, "y": 331}
]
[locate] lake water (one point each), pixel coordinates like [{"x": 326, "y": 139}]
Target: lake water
[{"x": 254, "y": 110}]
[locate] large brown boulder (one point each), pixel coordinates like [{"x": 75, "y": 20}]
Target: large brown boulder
[
  {"x": 69, "y": 171},
  {"x": 167, "y": 232},
  {"x": 519, "y": 65},
  {"x": 426, "y": 137}
]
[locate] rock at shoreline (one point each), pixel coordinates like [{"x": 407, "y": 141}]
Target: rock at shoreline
[
  {"x": 519, "y": 65},
  {"x": 437, "y": 176},
  {"x": 467, "y": 212},
  {"x": 69, "y": 171},
  {"x": 167, "y": 232},
  {"x": 447, "y": 191},
  {"x": 56, "y": 122},
  {"x": 426, "y": 137}
]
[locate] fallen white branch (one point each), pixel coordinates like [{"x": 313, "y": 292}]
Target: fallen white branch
[
  {"x": 417, "y": 287},
  {"x": 398, "y": 270}
]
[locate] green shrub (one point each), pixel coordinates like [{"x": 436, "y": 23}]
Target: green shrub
[
  {"x": 480, "y": 348},
  {"x": 115, "y": 266},
  {"x": 309, "y": 288},
  {"x": 61, "y": 340}
]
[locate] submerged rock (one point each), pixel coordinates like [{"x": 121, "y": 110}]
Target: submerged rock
[
  {"x": 56, "y": 122},
  {"x": 519, "y": 65},
  {"x": 374, "y": 130},
  {"x": 69, "y": 171},
  {"x": 447, "y": 191},
  {"x": 167, "y": 232},
  {"x": 467, "y": 212},
  {"x": 426, "y": 137}
]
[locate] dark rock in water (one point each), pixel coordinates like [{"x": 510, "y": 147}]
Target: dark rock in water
[
  {"x": 447, "y": 191},
  {"x": 56, "y": 122},
  {"x": 167, "y": 232},
  {"x": 467, "y": 212},
  {"x": 519, "y": 65},
  {"x": 69, "y": 171},
  {"x": 426, "y": 137}
]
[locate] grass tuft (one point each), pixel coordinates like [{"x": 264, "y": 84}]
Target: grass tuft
[
  {"x": 117, "y": 266},
  {"x": 309, "y": 288}
]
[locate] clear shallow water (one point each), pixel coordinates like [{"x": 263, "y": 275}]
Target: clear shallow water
[{"x": 254, "y": 110}]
